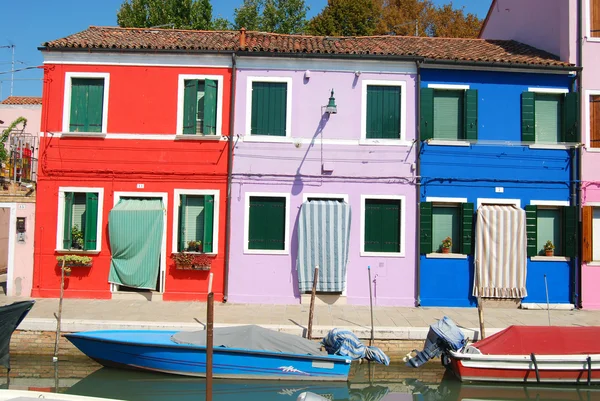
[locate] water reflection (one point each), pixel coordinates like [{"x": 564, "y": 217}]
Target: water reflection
[{"x": 367, "y": 383}]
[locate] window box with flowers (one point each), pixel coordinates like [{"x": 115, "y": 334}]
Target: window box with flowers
[
  {"x": 66, "y": 262},
  {"x": 191, "y": 261}
]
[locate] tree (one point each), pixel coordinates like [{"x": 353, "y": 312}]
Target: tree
[
  {"x": 405, "y": 17},
  {"x": 450, "y": 22},
  {"x": 346, "y": 18},
  {"x": 181, "y": 14},
  {"x": 6, "y": 133},
  {"x": 280, "y": 16}
]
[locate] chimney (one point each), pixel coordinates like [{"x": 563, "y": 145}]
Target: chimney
[{"x": 243, "y": 38}]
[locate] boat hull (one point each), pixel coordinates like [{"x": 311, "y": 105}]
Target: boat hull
[
  {"x": 573, "y": 369},
  {"x": 154, "y": 351}
]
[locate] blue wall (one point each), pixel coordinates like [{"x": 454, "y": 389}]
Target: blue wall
[{"x": 498, "y": 160}]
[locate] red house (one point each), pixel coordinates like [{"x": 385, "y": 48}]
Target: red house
[{"x": 134, "y": 159}]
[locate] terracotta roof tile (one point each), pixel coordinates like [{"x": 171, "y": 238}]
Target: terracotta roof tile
[
  {"x": 20, "y": 100},
  {"x": 449, "y": 49}
]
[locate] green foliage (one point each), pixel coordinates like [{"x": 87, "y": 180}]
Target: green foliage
[
  {"x": 74, "y": 259},
  {"x": 76, "y": 237},
  {"x": 221, "y": 24},
  {"x": 548, "y": 246},
  {"x": 4, "y": 153},
  {"x": 447, "y": 243},
  {"x": 279, "y": 16},
  {"x": 346, "y": 18},
  {"x": 182, "y": 14}
]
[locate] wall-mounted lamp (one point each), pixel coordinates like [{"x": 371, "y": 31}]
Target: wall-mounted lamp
[
  {"x": 307, "y": 74},
  {"x": 357, "y": 73},
  {"x": 331, "y": 108}
]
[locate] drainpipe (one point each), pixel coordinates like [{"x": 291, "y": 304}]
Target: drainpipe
[
  {"x": 418, "y": 181},
  {"x": 577, "y": 154},
  {"x": 229, "y": 170}
]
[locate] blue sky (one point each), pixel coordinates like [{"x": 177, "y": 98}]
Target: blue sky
[{"x": 29, "y": 23}]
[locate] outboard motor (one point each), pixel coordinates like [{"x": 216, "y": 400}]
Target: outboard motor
[
  {"x": 308, "y": 396},
  {"x": 443, "y": 335}
]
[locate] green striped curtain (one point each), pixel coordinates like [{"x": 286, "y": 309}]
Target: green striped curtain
[
  {"x": 548, "y": 118},
  {"x": 135, "y": 229},
  {"x": 446, "y": 223},
  {"x": 448, "y": 114}
]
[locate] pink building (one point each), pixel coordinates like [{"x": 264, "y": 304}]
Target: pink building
[{"x": 555, "y": 26}]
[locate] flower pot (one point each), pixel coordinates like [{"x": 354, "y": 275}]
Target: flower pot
[
  {"x": 549, "y": 252},
  {"x": 445, "y": 250}
]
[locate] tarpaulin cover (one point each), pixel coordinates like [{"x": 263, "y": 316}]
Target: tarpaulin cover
[
  {"x": 344, "y": 342},
  {"x": 10, "y": 317},
  {"x": 443, "y": 335},
  {"x": 251, "y": 337},
  {"x": 542, "y": 340}
]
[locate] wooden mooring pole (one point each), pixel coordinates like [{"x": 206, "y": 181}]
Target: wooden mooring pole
[
  {"x": 312, "y": 303},
  {"x": 59, "y": 317},
  {"x": 209, "y": 339}
]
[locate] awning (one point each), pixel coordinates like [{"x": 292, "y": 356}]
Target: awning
[
  {"x": 135, "y": 229},
  {"x": 323, "y": 239},
  {"x": 500, "y": 252}
]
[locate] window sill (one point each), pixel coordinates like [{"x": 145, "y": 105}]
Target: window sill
[
  {"x": 440, "y": 142},
  {"x": 550, "y": 259},
  {"x": 555, "y": 146},
  {"x": 445, "y": 256},
  {"x": 100, "y": 135},
  {"x": 77, "y": 251},
  {"x": 264, "y": 252},
  {"x": 181, "y": 137},
  {"x": 591, "y": 150},
  {"x": 383, "y": 254},
  {"x": 267, "y": 138},
  {"x": 199, "y": 253},
  {"x": 385, "y": 142},
  {"x": 595, "y": 263}
]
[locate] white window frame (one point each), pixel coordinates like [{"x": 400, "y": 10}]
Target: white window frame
[
  {"x": 67, "y": 100},
  {"x": 306, "y": 195},
  {"x": 446, "y": 142},
  {"x": 180, "y": 100},
  {"x": 402, "y": 199},
  {"x": 60, "y": 224},
  {"x": 587, "y": 117},
  {"x": 549, "y": 91},
  {"x": 401, "y": 140},
  {"x": 196, "y": 192},
  {"x": 441, "y": 201},
  {"x": 498, "y": 201},
  {"x": 286, "y": 248},
  {"x": 593, "y": 205},
  {"x": 549, "y": 204},
  {"x": 588, "y": 25},
  {"x": 288, "y": 113}
]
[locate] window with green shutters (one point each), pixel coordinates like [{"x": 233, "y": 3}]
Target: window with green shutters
[
  {"x": 383, "y": 112},
  {"x": 200, "y": 99},
  {"x": 448, "y": 114},
  {"x": 549, "y": 118},
  {"x": 558, "y": 224},
  {"x": 382, "y": 225},
  {"x": 80, "y": 224},
  {"x": 196, "y": 223},
  {"x": 267, "y": 223},
  {"x": 442, "y": 220},
  {"x": 269, "y": 108},
  {"x": 87, "y": 103}
]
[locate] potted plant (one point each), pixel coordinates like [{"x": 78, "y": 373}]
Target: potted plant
[
  {"x": 194, "y": 246},
  {"x": 66, "y": 262},
  {"x": 76, "y": 238},
  {"x": 446, "y": 245},
  {"x": 549, "y": 248},
  {"x": 191, "y": 261}
]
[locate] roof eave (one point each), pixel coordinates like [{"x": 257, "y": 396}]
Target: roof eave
[{"x": 501, "y": 65}]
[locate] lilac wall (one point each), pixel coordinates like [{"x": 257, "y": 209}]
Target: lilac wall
[{"x": 294, "y": 167}]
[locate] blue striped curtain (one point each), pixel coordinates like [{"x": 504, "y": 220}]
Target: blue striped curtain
[
  {"x": 323, "y": 240},
  {"x": 135, "y": 229}
]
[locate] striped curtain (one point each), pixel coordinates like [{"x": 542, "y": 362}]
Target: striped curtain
[
  {"x": 323, "y": 239},
  {"x": 500, "y": 252},
  {"x": 135, "y": 229}
]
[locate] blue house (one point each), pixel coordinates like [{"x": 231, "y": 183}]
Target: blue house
[{"x": 498, "y": 161}]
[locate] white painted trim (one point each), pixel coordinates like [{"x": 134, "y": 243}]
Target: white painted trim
[
  {"x": 267, "y": 139},
  {"x": 288, "y": 104},
  {"x": 449, "y": 86},
  {"x": 438, "y": 199},
  {"x": 498, "y": 201},
  {"x": 549, "y": 203},
  {"x": 445, "y": 256},
  {"x": 286, "y": 248},
  {"x": 550, "y": 259},
  {"x": 588, "y": 22},
  {"x": 549, "y": 146},
  {"x": 60, "y": 224},
  {"x": 383, "y": 142},
  {"x": 67, "y": 97},
  {"x": 317, "y": 64},
  {"x": 125, "y": 58},
  {"x": 363, "y": 110},
  {"x": 498, "y": 68},
  {"x": 117, "y": 195},
  {"x": 82, "y": 135},
  {"x": 443, "y": 142},
  {"x": 12, "y": 240},
  {"x": 587, "y": 122},
  {"x": 180, "y": 94},
  {"x": 137, "y": 137},
  {"x": 306, "y": 195},
  {"x": 548, "y": 90},
  {"x": 402, "y": 200},
  {"x": 176, "y": 203},
  {"x": 591, "y": 204},
  {"x": 540, "y": 306}
]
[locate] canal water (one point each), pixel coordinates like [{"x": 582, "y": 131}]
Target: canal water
[{"x": 368, "y": 382}]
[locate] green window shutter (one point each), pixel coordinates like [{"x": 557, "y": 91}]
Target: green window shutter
[
  {"x": 91, "y": 221},
  {"x": 426, "y": 114},
  {"x": 268, "y": 114},
  {"x": 570, "y": 116},
  {"x": 467, "y": 212},
  {"x": 190, "y": 106},
  {"x": 210, "y": 107},
  {"x": 528, "y": 117},
  {"x": 548, "y": 118},
  {"x": 209, "y": 207},
  {"x": 78, "y": 119},
  {"x": 570, "y": 228},
  {"x": 68, "y": 222},
  {"x": 531, "y": 222},
  {"x": 87, "y": 102},
  {"x": 471, "y": 115},
  {"x": 182, "y": 214},
  {"x": 95, "y": 105},
  {"x": 383, "y": 111},
  {"x": 426, "y": 216},
  {"x": 266, "y": 223},
  {"x": 382, "y": 225},
  {"x": 448, "y": 114}
]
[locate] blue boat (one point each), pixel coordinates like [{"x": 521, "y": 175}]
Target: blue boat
[{"x": 242, "y": 352}]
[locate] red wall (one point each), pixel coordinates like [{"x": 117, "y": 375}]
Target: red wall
[{"x": 142, "y": 100}]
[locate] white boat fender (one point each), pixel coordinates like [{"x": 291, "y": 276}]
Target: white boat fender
[{"x": 308, "y": 396}]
